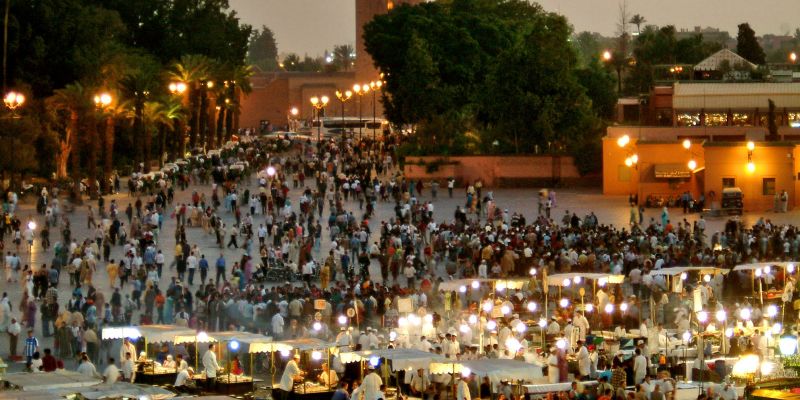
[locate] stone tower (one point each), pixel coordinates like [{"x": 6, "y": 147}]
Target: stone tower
[{"x": 366, "y": 10}]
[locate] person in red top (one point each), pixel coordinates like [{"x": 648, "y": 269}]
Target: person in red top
[{"x": 49, "y": 363}]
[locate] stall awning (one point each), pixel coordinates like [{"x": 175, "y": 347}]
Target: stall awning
[
  {"x": 672, "y": 171},
  {"x": 567, "y": 279},
  {"x": 755, "y": 266},
  {"x": 456, "y": 284},
  {"x": 495, "y": 369},
  {"x": 672, "y": 271},
  {"x": 402, "y": 359}
]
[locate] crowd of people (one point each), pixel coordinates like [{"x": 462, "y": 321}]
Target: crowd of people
[{"x": 312, "y": 212}]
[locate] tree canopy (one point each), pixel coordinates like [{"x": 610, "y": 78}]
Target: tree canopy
[
  {"x": 747, "y": 45},
  {"x": 263, "y": 50},
  {"x": 483, "y": 76}
]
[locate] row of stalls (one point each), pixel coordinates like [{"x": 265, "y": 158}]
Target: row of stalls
[{"x": 239, "y": 354}]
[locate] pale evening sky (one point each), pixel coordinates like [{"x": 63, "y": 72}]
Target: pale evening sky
[{"x": 312, "y": 26}]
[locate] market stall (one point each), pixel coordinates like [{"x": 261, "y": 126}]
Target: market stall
[
  {"x": 238, "y": 377},
  {"x": 313, "y": 353},
  {"x": 497, "y": 370},
  {"x": 150, "y": 370},
  {"x": 408, "y": 360}
]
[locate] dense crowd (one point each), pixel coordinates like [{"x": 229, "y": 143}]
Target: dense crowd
[{"x": 280, "y": 209}]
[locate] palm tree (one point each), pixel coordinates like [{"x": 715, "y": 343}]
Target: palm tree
[
  {"x": 173, "y": 110},
  {"x": 194, "y": 71},
  {"x": 241, "y": 86},
  {"x": 155, "y": 116},
  {"x": 638, "y": 20},
  {"x": 73, "y": 102},
  {"x": 136, "y": 87}
]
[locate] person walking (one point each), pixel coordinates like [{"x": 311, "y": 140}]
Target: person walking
[{"x": 221, "y": 268}]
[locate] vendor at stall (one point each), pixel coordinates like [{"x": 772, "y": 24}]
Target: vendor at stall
[
  {"x": 180, "y": 363},
  {"x": 291, "y": 373},
  {"x": 211, "y": 366},
  {"x": 328, "y": 377},
  {"x": 127, "y": 347},
  {"x": 169, "y": 362}
]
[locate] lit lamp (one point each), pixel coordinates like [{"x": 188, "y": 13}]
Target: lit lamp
[
  {"x": 692, "y": 164},
  {"x": 475, "y": 284},
  {"x": 772, "y": 310},
  {"x": 531, "y": 306},
  {"x": 374, "y": 86},
  {"x": 751, "y": 166},
  {"x": 319, "y": 104},
  {"x": 342, "y": 320},
  {"x": 14, "y": 100},
  {"x": 702, "y": 316},
  {"x": 532, "y": 271},
  {"x": 744, "y": 314},
  {"x": 606, "y": 56},
  {"x": 788, "y": 344},
  {"x": 563, "y": 303},
  {"x": 343, "y": 98},
  {"x": 793, "y": 57}
]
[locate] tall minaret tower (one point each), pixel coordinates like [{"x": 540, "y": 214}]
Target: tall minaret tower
[{"x": 366, "y": 10}]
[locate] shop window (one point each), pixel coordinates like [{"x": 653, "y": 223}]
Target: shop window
[
  {"x": 688, "y": 119},
  {"x": 794, "y": 119},
  {"x": 764, "y": 119},
  {"x": 768, "y": 187},
  {"x": 741, "y": 119},
  {"x": 624, "y": 173},
  {"x": 716, "y": 119},
  {"x": 728, "y": 182}
]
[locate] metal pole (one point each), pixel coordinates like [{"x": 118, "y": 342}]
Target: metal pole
[
  {"x": 360, "y": 122},
  {"x": 373, "y": 114}
]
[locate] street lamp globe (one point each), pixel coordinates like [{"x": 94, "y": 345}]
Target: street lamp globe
[
  {"x": 324, "y": 100},
  {"x": 32, "y": 225},
  {"x": 606, "y": 55},
  {"x": 294, "y": 111},
  {"x": 687, "y": 144}
]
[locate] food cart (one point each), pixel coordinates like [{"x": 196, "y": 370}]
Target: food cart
[{"x": 313, "y": 352}]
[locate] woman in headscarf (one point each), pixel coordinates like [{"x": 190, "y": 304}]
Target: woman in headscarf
[{"x": 169, "y": 309}]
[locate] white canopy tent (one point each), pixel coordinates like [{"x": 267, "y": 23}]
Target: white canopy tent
[
  {"x": 456, "y": 284},
  {"x": 568, "y": 279},
  {"x": 672, "y": 271},
  {"x": 495, "y": 369},
  {"x": 154, "y": 334},
  {"x": 402, "y": 359}
]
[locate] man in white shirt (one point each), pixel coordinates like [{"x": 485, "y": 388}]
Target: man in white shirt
[
  {"x": 639, "y": 367},
  {"x": 372, "y": 385},
  {"x": 277, "y": 326},
  {"x": 554, "y": 328},
  {"x": 421, "y": 385},
  {"x": 290, "y": 374},
  {"x": 128, "y": 369},
  {"x": 210, "y": 365},
  {"x": 462, "y": 389},
  {"x": 111, "y": 374},
  {"x": 584, "y": 364},
  {"x": 182, "y": 379},
  {"x": 86, "y": 368},
  {"x": 552, "y": 366}
]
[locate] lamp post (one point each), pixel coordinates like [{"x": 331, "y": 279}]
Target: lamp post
[
  {"x": 32, "y": 228},
  {"x": 293, "y": 118},
  {"x": 375, "y": 86},
  {"x": 360, "y": 90},
  {"x": 343, "y": 98},
  {"x": 793, "y": 57},
  {"x": 13, "y": 100},
  {"x": 319, "y": 103},
  {"x": 102, "y": 102}
]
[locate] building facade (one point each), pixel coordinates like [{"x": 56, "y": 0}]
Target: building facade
[{"x": 659, "y": 163}]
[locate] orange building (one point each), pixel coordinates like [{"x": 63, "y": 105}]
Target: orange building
[{"x": 704, "y": 147}]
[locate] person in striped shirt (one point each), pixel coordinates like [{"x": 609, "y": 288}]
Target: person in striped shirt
[{"x": 31, "y": 346}]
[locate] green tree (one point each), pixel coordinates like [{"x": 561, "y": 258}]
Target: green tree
[
  {"x": 344, "y": 57},
  {"x": 747, "y": 45},
  {"x": 599, "y": 85},
  {"x": 263, "y": 50},
  {"x": 194, "y": 70},
  {"x": 637, "y": 20}
]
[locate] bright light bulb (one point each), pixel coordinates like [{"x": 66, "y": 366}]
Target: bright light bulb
[
  {"x": 751, "y": 146},
  {"x": 684, "y": 276},
  {"x": 542, "y": 322},
  {"x": 721, "y": 315},
  {"x": 505, "y": 310},
  {"x": 476, "y": 284},
  {"x": 487, "y": 306},
  {"x": 635, "y": 158},
  {"x": 392, "y": 336},
  {"x": 462, "y": 289},
  {"x": 687, "y": 144},
  {"x": 692, "y": 165},
  {"x": 531, "y": 306},
  {"x": 623, "y": 140},
  {"x": 758, "y": 273},
  {"x": 521, "y": 328},
  {"x": 561, "y": 344},
  {"x": 707, "y": 278},
  {"x": 623, "y": 307},
  {"x": 532, "y": 271},
  {"x": 465, "y": 371},
  {"x": 767, "y": 269},
  {"x": 566, "y": 282},
  {"x": 729, "y": 332},
  {"x": 563, "y": 303},
  {"x": 602, "y": 282},
  {"x": 609, "y": 308},
  {"x": 687, "y": 336},
  {"x": 491, "y": 325},
  {"x": 772, "y": 310},
  {"x": 428, "y": 318},
  {"x": 401, "y": 322},
  {"x": 463, "y": 328},
  {"x": 473, "y": 319},
  {"x": 589, "y": 308},
  {"x": 317, "y": 326},
  {"x": 745, "y": 314},
  {"x": 751, "y": 166},
  {"x": 628, "y": 162},
  {"x": 790, "y": 268},
  {"x": 576, "y": 280},
  {"x": 702, "y": 316}
]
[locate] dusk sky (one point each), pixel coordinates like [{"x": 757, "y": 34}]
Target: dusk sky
[{"x": 312, "y": 26}]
